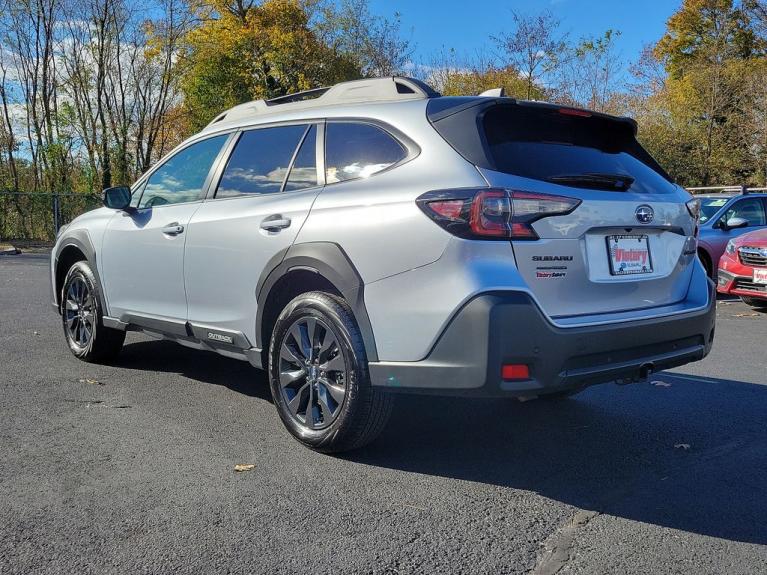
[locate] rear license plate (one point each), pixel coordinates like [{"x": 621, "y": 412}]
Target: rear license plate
[
  {"x": 760, "y": 276},
  {"x": 629, "y": 254}
]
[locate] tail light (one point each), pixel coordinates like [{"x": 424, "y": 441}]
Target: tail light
[
  {"x": 492, "y": 213},
  {"x": 693, "y": 207}
]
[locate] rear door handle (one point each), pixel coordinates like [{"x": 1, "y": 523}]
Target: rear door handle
[
  {"x": 173, "y": 229},
  {"x": 275, "y": 223}
]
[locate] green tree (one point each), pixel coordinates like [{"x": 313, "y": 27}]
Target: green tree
[
  {"x": 709, "y": 51},
  {"x": 241, "y": 52}
]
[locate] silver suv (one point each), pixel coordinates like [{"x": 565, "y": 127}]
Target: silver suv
[{"x": 375, "y": 237}]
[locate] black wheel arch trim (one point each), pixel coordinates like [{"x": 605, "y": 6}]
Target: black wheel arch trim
[
  {"x": 81, "y": 240},
  {"x": 330, "y": 261}
]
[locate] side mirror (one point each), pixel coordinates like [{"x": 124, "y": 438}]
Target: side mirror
[
  {"x": 117, "y": 198},
  {"x": 734, "y": 224}
]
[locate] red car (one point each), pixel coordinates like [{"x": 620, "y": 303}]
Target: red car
[{"x": 743, "y": 269}]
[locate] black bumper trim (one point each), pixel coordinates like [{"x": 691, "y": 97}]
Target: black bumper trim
[{"x": 500, "y": 328}]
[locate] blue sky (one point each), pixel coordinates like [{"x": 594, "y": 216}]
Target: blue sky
[{"x": 467, "y": 25}]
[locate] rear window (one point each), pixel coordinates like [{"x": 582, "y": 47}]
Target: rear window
[{"x": 590, "y": 152}]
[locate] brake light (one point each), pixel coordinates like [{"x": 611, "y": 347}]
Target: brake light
[
  {"x": 575, "y": 112},
  {"x": 492, "y": 213}
]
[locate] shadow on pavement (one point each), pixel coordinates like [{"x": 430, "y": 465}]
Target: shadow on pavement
[
  {"x": 206, "y": 367},
  {"x": 690, "y": 456}
]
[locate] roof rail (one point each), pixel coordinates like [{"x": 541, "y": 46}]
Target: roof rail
[
  {"x": 297, "y": 97},
  {"x": 393, "y": 88}
]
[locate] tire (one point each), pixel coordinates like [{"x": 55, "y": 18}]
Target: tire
[
  {"x": 82, "y": 318},
  {"x": 705, "y": 259},
  {"x": 754, "y": 302},
  {"x": 322, "y": 391}
]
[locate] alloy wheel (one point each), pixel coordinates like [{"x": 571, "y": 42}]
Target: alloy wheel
[
  {"x": 313, "y": 372},
  {"x": 79, "y": 312}
]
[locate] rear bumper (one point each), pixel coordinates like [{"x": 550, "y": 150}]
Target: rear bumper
[{"x": 500, "y": 328}]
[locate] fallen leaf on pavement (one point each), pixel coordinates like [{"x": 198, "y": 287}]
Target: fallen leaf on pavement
[
  {"x": 90, "y": 381},
  {"x": 746, "y": 315},
  {"x": 240, "y": 467},
  {"x": 684, "y": 446},
  {"x": 660, "y": 383}
]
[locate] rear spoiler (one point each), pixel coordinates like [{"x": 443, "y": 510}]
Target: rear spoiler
[{"x": 440, "y": 108}]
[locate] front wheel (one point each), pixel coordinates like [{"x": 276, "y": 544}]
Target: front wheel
[
  {"x": 88, "y": 338},
  {"x": 754, "y": 302},
  {"x": 319, "y": 376}
]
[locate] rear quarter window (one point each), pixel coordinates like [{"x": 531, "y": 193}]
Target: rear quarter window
[{"x": 358, "y": 150}]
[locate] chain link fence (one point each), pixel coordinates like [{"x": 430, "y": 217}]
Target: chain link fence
[{"x": 37, "y": 216}]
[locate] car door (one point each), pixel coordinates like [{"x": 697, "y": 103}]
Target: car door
[
  {"x": 142, "y": 254},
  {"x": 262, "y": 197},
  {"x": 751, "y": 209}
]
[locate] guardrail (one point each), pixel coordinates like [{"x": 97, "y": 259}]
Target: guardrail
[
  {"x": 37, "y": 216},
  {"x": 725, "y": 189}
]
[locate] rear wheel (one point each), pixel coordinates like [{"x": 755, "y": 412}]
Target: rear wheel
[
  {"x": 81, "y": 316},
  {"x": 755, "y": 302},
  {"x": 319, "y": 376}
]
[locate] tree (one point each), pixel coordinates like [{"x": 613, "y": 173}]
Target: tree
[
  {"x": 372, "y": 42},
  {"x": 709, "y": 47},
  {"x": 590, "y": 76},
  {"x": 241, "y": 52},
  {"x": 534, "y": 47},
  {"x": 470, "y": 76}
]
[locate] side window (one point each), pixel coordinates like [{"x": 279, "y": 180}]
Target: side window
[
  {"x": 303, "y": 174},
  {"x": 750, "y": 209},
  {"x": 355, "y": 150},
  {"x": 260, "y": 161},
  {"x": 136, "y": 195},
  {"x": 181, "y": 178}
]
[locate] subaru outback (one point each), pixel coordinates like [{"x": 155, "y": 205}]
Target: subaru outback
[{"x": 375, "y": 237}]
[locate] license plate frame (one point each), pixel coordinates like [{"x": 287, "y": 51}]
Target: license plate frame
[
  {"x": 642, "y": 266},
  {"x": 760, "y": 276}
]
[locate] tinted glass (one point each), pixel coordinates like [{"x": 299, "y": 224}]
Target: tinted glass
[
  {"x": 180, "y": 179},
  {"x": 303, "y": 174},
  {"x": 710, "y": 206},
  {"x": 260, "y": 161},
  {"x": 750, "y": 209},
  {"x": 542, "y": 143},
  {"x": 358, "y": 151}
]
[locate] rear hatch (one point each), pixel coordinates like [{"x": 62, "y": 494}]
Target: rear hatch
[{"x": 618, "y": 234}]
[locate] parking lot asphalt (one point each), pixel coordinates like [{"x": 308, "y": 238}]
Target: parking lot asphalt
[{"x": 131, "y": 467}]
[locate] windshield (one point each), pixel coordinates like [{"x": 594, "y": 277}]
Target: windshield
[{"x": 710, "y": 206}]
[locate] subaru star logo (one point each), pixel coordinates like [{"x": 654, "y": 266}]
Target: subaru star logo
[{"x": 644, "y": 214}]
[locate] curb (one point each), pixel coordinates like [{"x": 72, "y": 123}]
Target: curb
[{"x": 7, "y": 250}]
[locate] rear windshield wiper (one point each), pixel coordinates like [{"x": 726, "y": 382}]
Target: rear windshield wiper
[{"x": 612, "y": 182}]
